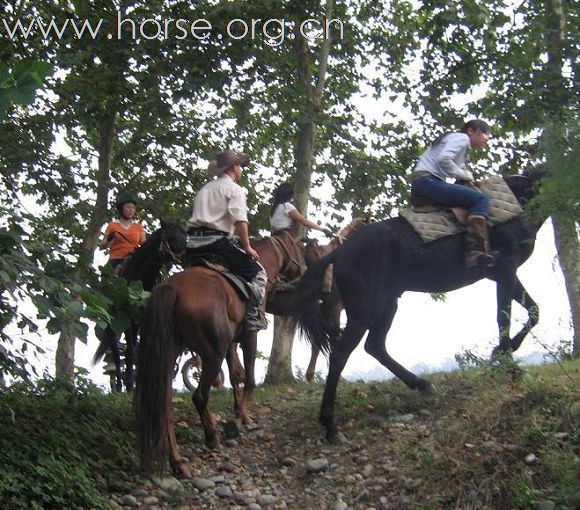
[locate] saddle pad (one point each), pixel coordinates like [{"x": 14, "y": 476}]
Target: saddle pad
[
  {"x": 234, "y": 280},
  {"x": 503, "y": 206}
]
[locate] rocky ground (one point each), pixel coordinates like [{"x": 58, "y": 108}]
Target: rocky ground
[{"x": 413, "y": 452}]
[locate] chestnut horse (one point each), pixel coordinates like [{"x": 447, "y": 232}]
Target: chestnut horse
[{"x": 197, "y": 310}]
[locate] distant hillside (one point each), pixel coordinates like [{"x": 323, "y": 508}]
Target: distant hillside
[{"x": 448, "y": 365}]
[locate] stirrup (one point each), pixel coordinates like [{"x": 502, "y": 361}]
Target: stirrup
[
  {"x": 480, "y": 258},
  {"x": 255, "y": 319}
]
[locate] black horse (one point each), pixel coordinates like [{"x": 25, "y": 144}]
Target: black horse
[
  {"x": 162, "y": 248},
  {"x": 381, "y": 261}
]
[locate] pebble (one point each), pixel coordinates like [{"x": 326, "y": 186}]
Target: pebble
[
  {"x": 546, "y": 505},
  {"x": 340, "y": 505},
  {"x": 168, "y": 483},
  {"x": 223, "y": 491},
  {"x": 129, "y": 500},
  {"x": 349, "y": 480},
  {"x": 531, "y": 458},
  {"x": 317, "y": 465},
  {"x": 267, "y": 499},
  {"x": 202, "y": 484},
  {"x": 404, "y": 418},
  {"x": 363, "y": 496},
  {"x": 367, "y": 470}
]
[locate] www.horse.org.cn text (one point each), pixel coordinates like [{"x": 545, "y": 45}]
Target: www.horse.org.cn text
[{"x": 272, "y": 31}]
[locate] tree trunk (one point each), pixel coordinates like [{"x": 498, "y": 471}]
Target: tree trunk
[
  {"x": 280, "y": 364},
  {"x": 65, "y": 352},
  {"x": 568, "y": 247},
  {"x": 565, "y": 232}
]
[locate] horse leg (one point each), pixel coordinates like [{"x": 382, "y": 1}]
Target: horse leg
[
  {"x": 237, "y": 375},
  {"x": 131, "y": 338},
  {"x": 176, "y": 461},
  {"x": 249, "y": 348},
  {"x": 311, "y": 370},
  {"x": 506, "y": 284},
  {"x": 113, "y": 341},
  {"x": 210, "y": 368},
  {"x": 341, "y": 350},
  {"x": 375, "y": 346},
  {"x": 523, "y": 298}
]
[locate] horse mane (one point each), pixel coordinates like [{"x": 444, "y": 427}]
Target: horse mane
[
  {"x": 148, "y": 247},
  {"x": 351, "y": 227},
  {"x": 145, "y": 262}
]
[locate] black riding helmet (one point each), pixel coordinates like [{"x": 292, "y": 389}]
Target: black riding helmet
[{"x": 123, "y": 198}]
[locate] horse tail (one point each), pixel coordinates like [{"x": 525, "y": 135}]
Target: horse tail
[
  {"x": 155, "y": 358},
  {"x": 100, "y": 352},
  {"x": 108, "y": 342},
  {"x": 305, "y": 305}
]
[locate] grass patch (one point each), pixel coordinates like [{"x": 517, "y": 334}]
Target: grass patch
[{"x": 505, "y": 438}]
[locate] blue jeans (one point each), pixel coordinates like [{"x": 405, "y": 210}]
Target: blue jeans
[{"x": 440, "y": 192}]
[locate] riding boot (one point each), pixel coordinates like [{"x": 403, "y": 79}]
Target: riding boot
[
  {"x": 255, "y": 319},
  {"x": 478, "y": 252}
]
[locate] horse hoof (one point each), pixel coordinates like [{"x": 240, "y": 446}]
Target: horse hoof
[
  {"x": 180, "y": 470},
  {"x": 232, "y": 430},
  {"x": 337, "y": 438},
  {"x": 212, "y": 444},
  {"x": 427, "y": 388}
]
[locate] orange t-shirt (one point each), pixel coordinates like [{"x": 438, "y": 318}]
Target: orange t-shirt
[{"x": 126, "y": 240}]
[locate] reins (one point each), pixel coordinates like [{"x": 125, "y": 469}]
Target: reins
[{"x": 287, "y": 260}]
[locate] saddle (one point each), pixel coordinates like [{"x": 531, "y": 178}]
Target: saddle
[
  {"x": 431, "y": 222},
  {"x": 423, "y": 206},
  {"x": 218, "y": 264}
]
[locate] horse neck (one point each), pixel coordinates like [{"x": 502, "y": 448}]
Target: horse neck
[
  {"x": 268, "y": 257},
  {"x": 525, "y": 188},
  {"x": 145, "y": 264},
  {"x": 276, "y": 253}
]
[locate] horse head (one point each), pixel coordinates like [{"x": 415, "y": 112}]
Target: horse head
[
  {"x": 525, "y": 186},
  {"x": 172, "y": 242}
]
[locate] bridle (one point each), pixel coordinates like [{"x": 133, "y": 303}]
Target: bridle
[{"x": 167, "y": 254}]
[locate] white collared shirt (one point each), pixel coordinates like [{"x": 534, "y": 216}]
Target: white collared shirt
[
  {"x": 448, "y": 158},
  {"x": 219, "y": 204},
  {"x": 281, "y": 219}
]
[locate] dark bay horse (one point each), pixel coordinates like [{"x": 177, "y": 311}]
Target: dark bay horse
[
  {"x": 381, "y": 261},
  {"x": 196, "y": 310},
  {"x": 161, "y": 249}
]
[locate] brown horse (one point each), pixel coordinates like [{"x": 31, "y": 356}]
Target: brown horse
[{"x": 197, "y": 310}]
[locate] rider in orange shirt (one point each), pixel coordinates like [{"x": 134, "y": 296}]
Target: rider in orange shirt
[{"x": 123, "y": 236}]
